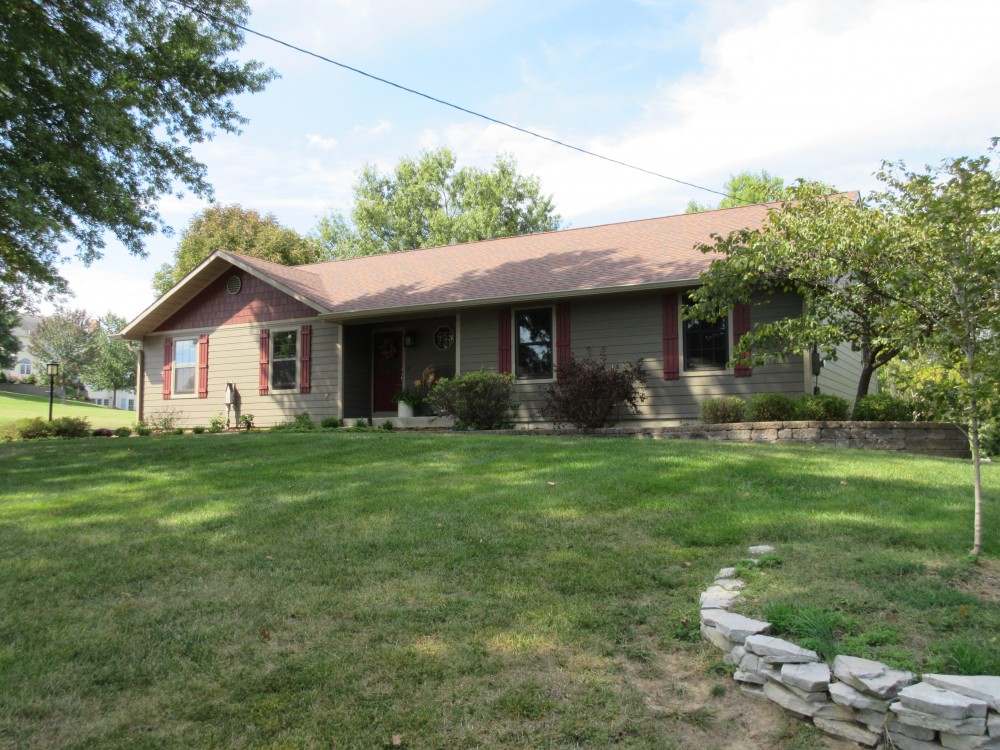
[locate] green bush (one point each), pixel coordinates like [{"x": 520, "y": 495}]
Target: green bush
[
  {"x": 723, "y": 409},
  {"x": 387, "y": 425},
  {"x": 198, "y": 429},
  {"x": 822, "y": 407},
  {"x": 331, "y": 423},
  {"x": 989, "y": 439},
  {"x": 246, "y": 421},
  {"x": 162, "y": 420},
  {"x": 360, "y": 424},
  {"x": 71, "y": 427},
  {"x": 883, "y": 407},
  {"x": 587, "y": 391},
  {"x": 770, "y": 407},
  {"x": 123, "y": 432},
  {"x": 478, "y": 401},
  {"x": 142, "y": 429},
  {"x": 217, "y": 423},
  {"x": 26, "y": 429}
]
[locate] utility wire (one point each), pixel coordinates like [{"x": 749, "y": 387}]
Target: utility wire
[{"x": 526, "y": 131}]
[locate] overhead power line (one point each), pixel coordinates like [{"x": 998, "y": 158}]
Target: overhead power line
[{"x": 443, "y": 102}]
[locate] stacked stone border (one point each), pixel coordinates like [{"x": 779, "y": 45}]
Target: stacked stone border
[
  {"x": 860, "y": 700},
  {"x": 928, "y": 438}
]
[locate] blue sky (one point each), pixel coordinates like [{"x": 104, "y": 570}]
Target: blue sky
[{"x": 695, "y": 90}]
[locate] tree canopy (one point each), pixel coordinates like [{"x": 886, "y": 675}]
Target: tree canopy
[
  {"x": 237, "y": 229},
  {"x": 9, "y": 343},
  {"x": 114, "y": 364},
  {"x": 745, "y": 188},
  {"x": 428, "y": 201},
  {"x": 67, "y": 337},
  {"x": 100, "y": 101},
  {"x": 840, "y": 257}
]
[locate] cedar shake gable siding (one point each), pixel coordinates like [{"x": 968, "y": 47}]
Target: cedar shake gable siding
[{"x": 256, "y": 302}]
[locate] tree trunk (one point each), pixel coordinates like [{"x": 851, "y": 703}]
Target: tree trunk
[
  {"x": 114, "y": 398},
  {"x": 865, "y": 381},
  {"x": 977, "y": 517}
]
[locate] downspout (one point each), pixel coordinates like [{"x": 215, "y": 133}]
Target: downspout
[{"x": 140, "y": 373}]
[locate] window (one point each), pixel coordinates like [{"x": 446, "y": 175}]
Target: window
[
  {"x": 534, "y": 342},
  {"x": 706, "y": 344},
  {"x": 24, "y": 367},
  {"x": 284, "y": 360},
  {"x": 131, "y": 404},
  {"x": 185, "y": 359}
]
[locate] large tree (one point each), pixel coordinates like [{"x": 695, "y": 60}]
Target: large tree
[
  {"x": 841, "y": 258},
  {"x": 428, "y": 201},
  {"x": 745, "y": 188},
  {"x": 114, "y": 365},
  {"x": 100, "y": 101},
  {"x": 67, "y": 337},
  {"x": 241, "y": 230},
  {"x": 951, "y": 214},
  {"x": 9, "y": 343}
]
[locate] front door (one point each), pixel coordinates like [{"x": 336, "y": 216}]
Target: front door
[{"x": 387, "y": 369}]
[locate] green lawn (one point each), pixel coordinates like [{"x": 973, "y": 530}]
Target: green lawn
[
  {"x": 14, "y": 406},
  {"x": 338, "y": 589}
]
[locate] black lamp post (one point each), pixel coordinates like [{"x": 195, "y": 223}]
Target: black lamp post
[{"x": 52, "y": 368}]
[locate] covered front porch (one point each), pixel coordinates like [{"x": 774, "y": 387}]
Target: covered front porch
[{"x": 383, "y": 357}]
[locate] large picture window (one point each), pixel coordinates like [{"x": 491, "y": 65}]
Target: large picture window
[
  {"x": 534, "y": 342},
  {"x": 284, "y": 360},
  {"x": 706, "y": 344},
  {"x": 185, "y": 360}
]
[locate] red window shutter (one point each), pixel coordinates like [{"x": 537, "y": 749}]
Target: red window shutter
[
  {"x": 741, "y": 325},
  {"x": 562, "y": 334},
  {"x": 203, "y": 366},
  {"x": 168, "y": 365},
  {"x": 504, "y": 334},
  {"x": 671, "y": 335},
  {"x": 305, "y": 359},
  {"x": 264, "y": 380}
]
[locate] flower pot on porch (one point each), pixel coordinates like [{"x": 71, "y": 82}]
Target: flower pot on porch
[{"x": 405, "y": 410}]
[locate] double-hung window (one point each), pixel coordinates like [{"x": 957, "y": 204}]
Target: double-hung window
[
  {"x": 185, "y": 363},
  {"x": 284, "y": 360},
  {"x": 706, "y": 344},
  {"x": 533, "y": 330}
]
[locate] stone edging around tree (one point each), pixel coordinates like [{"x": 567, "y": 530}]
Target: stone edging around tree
[{"x": 860, "y": 700}]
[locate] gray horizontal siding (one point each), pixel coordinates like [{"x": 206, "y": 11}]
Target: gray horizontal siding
[
  {"x": 233, "y": 353},
  {"x": 840, "y": 377}
]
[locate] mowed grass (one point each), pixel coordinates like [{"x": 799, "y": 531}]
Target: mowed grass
[
  {"x": 342, "y": 589},
  {"x": 14, "y": 406}
]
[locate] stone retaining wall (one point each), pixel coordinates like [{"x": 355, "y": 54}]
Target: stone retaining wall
[
  {"x": 859, "y": 700},
  {"x": 929, "y": 438},
  {"x": 31, "y": 390}
]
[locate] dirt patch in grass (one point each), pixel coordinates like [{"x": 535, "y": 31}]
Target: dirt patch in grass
[
  {"x": 983, "y": 580},
  {"x": 710, "y": 711}
]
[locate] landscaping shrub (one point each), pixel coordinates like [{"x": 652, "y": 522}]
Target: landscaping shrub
[
  {"x": 883, "y": 407},
  {"x": 246, "y": 421},
  {"x": 102, "y": 432},
  {"x": 331, "y": 423},
  {"x": 25, "y": 429},
  {"x": 217, "y": 423},
  {"x": 587, "y": 391},
  {"x": 723, "y": 409},
  {"x": 478, "y": 401},
  {"x": 301, "y": 422},
  {"x": 989, "y": 439},
  {"x": 822, "y": 407},
  {"x": 770, "y": 407},
  {"x": 198, "y": 429},
  {"x": 162, "y": 420},
  {"x": 387, "y": 425},
  {"x": 360, "y": 424},
  {"x": 142, "y": 429},
  {"x": 123, "y": 432},
  {"x": 71, "y": 427}
]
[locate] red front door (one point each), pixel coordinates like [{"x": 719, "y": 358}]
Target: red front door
[{"x": 387, "y": 369}]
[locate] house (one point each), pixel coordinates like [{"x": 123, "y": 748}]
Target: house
[
  {"x": 25, "y": 365},
  {"x": 341, "y": 338}
]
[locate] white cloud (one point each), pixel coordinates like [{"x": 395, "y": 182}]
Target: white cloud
[
  {"x": 380, "y": 127},
  {"x": 320, "y": 142}
]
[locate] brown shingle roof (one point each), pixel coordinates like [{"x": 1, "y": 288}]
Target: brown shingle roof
[{"x": 651, "y": 252}]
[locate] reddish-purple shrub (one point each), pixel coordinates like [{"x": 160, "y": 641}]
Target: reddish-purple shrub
[
  {"x": 102, "y": 432},
  {"x": 588, "y": 393}
]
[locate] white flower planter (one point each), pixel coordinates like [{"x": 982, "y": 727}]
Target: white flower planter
[{"x": 405, "y": 410}]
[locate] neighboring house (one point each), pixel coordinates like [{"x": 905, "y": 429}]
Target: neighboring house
[
  {"x": 341, "y": 338},
  {"x": 117, "y": 399},
  {"x": 24, "y": 363}
]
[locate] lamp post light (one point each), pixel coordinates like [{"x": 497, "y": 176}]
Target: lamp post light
[{"x": 52, "y": 368}]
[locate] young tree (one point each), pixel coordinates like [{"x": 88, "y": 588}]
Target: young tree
[
  {"x": 746, "y": 188},
  {"x": 427, "y": 202},
  {"x": 68, "y": 337},
  {"x": 101, "y": 101},
  {"x": 114, "y": 365},
  {"x": 240, "y": 230},
  {"x": 951, "y": 214},
  {"x": 840, "y": 257}
]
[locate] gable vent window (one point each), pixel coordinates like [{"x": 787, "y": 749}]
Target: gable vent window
[{"x": 234, "y": 284}]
